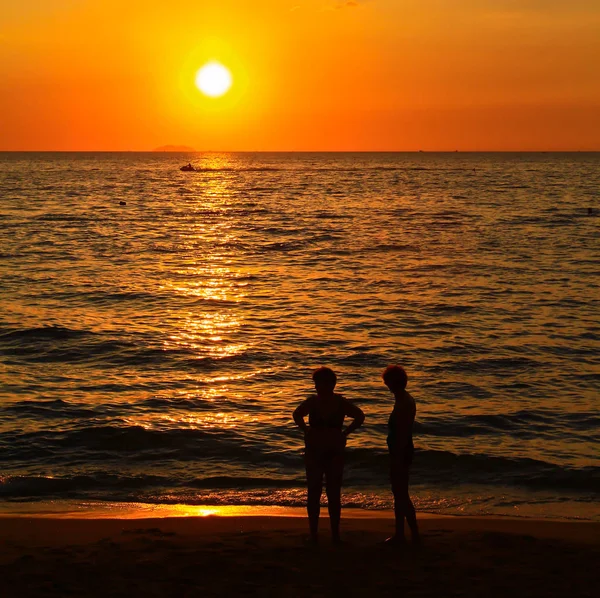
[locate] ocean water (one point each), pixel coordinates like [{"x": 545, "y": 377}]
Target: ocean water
[{"x": 154, "y": 351}]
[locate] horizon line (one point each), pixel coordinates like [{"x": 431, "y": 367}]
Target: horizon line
[{"x": 420, "y": 151}]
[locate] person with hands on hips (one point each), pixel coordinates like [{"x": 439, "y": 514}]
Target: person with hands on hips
[{"x": 325, "y": 439}]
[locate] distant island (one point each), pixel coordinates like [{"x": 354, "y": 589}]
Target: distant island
[{"x": 174, "y": 148}]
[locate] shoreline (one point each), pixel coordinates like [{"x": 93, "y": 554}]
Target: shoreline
[{"x": 90, "y": 510}]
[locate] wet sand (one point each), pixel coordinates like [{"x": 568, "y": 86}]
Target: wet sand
[{"x": 268, "y": 556}]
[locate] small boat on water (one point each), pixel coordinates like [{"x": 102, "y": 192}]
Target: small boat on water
[{"x": 188, "y": 168}]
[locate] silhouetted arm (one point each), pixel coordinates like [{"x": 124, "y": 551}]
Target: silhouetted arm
[
  {"x": 300, "y": 413},
  {"x": 357, "y": 415}
]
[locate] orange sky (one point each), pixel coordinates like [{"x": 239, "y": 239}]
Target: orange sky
[{"x": 308, "y": 74}]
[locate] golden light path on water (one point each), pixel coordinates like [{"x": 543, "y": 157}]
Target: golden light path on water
[{"x": 212, "y": 280}]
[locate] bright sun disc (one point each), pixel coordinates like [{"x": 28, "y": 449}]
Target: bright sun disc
[{"x": 213, "y": 79}]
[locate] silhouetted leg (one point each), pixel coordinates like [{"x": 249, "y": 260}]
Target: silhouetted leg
[
  {"x": 399, "y": 515},
  {"x": 334, "y": 473},
  {"x": 403, "y": 505},
  {"x": 314, "y": 482},
  {"x": 411, "y": 519}
]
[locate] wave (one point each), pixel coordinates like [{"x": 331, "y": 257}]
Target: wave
[
  {"x": 42, "y": 333},
  {"x": 432, "y": 469},
  {"x": 361, "y": 358},
  {"x": 51, "y": 409},
  {"x": 285, "y": 246},
  {"x": 115, "y": 296},
  {"x": 521, "y": 424},
  {"x": 445, "y": 308},
  {"x": 24, "y": 486},
  {"x": 393, "y": 248},
  {"x": 107, "y": 486},
  {"x": 64, "y": 217},
  {"x": 492, "y": 364},
  {"x": 54, "y": 344},
  {"x": 521, "y": 471},
  {"x": 110, "y": 441},
  {"x": 332, "y": 216}
]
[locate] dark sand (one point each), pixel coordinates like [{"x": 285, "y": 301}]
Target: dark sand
[{"x": 267, "y": 556}]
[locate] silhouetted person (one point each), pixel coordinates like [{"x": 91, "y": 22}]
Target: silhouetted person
[
  {"x": 325, "y": 439},
  {"x": 400, "y": 445}
]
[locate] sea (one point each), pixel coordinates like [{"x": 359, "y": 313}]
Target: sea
[{"x": 159, "y": 327}]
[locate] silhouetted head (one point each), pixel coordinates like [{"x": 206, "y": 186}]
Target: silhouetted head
[
  {"x": 324, "y": 379},
  {"x": 395, "y": 378}
]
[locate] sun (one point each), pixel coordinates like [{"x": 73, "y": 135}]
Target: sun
[{"x": 213, "y": 79}]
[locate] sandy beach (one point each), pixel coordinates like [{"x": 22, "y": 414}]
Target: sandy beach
[{"x": 268, "y": 556}]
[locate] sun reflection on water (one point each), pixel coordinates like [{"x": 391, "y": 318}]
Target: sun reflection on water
[
  {"x": 207, "y": 334},
  {"x": 214, "y": 284},
  {"x": 205, "y": 420}
]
